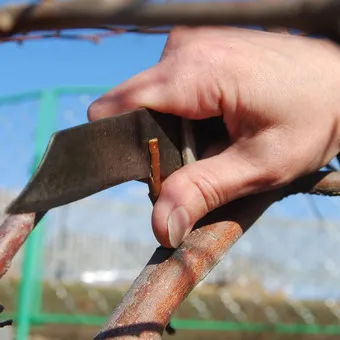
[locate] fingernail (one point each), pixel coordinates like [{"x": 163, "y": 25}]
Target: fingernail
[{"x": 178, "y": 224}]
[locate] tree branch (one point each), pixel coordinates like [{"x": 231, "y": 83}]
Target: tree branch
[
  {"x": 171, "y": 274},
  {"x": 13, "y": 16},
  {"x": 315, "y": 16},
  {"x": 13, "y": 233}
]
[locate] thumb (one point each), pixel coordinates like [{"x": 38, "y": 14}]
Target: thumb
[{"x": 198, "y": 188}]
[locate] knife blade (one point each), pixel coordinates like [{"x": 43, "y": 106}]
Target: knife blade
[
  {"x": 92, "y": 157},
  {"x": 88, "y": 158}
]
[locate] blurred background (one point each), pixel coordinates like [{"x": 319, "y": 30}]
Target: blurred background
[{"x": 280, "y": 281}]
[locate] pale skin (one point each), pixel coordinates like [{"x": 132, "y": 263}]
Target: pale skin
[{"x": 279, "y": 96}]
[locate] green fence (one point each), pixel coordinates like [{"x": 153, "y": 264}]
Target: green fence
[{"x": 281, "y": 278}]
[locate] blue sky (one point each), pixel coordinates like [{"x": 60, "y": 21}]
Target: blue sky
[{"x": 49, "y": 63}]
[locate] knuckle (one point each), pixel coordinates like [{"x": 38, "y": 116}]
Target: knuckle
[
  {"x": 273, "y": 161},
  {"x": 198, "y": 189},
  {"x": 180, "y": 34},
  {"x": 276, "y": 176},
  {"x": 209, "y": 188}
]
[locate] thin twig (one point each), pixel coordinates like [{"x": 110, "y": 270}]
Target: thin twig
[
  {"x": 155, "y": 168},
  {"x": 6, "y": 322},
  {"x": 94, "y": 38}
]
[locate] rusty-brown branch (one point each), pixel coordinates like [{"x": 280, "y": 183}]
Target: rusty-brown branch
[
  {"x": 315, "y": 16},
  {"x": 155, "y": 168},
  {"x": 170, "y": 275},
  {"x": 13, "y": 233}
]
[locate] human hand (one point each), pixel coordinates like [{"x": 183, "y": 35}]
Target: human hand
[{"x": 279, "y": 96}]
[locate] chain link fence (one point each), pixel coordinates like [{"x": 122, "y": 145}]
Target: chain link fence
[{"x": 282, "y": 276}]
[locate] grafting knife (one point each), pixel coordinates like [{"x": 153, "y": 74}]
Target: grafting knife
[{"x": 88, "y": 158}]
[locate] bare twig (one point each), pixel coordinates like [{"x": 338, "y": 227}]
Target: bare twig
[
  {"x": 6, "y": 322},
  {"x": 170, "y": 275},
  {"x": 155, "y": 167},
  {"x": 315, "y": 16},
  {"x": 94, "y": 38},
  {"x": 141, "y": 30}
]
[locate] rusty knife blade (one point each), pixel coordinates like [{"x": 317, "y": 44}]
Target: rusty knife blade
[{"x": 91, "y": 157}]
